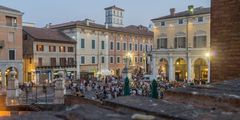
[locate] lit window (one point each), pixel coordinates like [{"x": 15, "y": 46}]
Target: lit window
[
  {"x": 40, "y": 48},
  {"x": 62, "y": 49}
]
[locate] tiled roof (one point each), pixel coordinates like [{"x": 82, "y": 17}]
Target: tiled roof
[
  {"x": 8, "y": 9},
  {"x": 114, "y": 7},
  {"x": 47, "y": 34},
  {"x": 197, "y": 11},
  {"x": 132, "y": 30}
]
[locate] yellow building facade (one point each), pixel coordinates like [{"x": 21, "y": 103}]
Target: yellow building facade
[{"x": 181, "y": 45}]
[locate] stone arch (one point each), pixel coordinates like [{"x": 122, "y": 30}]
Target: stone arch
[
  {"x": 180, "y": 69},
  {"x": 200, "y": 70},
  {"x": 196, "y": 58},
  {"x": 163, "y": 68},
  {"x": 176, "y": 58}
]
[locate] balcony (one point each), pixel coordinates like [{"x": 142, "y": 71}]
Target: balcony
[{"x": 56, "y": 66}]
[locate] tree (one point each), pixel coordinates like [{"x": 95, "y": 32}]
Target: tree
[
  {"x": 126, "y": 87},
  {"x": 154, "y": 89}
]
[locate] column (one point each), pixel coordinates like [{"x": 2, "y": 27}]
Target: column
[
  {"x": 170, "y": 70},
  {"x": 189, "y": 73},
  {"x": 154, "y": 70},
  {"x": 209, "y": 73}
]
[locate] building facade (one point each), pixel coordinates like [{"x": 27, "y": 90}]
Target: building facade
[
  {"x": 11, "y": 54},
  {"x": 46, "y": 52},
  {"x": 181, "y": 45},
  {"x": 101, "y": 48},
  {"x": 135, "y": 41}
]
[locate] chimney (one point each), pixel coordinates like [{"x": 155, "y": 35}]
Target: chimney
[{"x": 172, "y": 11}]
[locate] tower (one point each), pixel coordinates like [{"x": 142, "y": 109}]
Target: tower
[{"x": 114, "y": 16}]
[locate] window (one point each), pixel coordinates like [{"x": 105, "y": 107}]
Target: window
[
  {"x": 82, "y": 43},
  {"x": 40, "y": 61},
  {"x": 200, "y": 19},
  {"x": 11, "y": 37},
  {"x": 118, "y": 46},
  {"x": 141, "y": 47},
  {"x": 103, "y": 47},
  {"x": 103, "y": 60},
  {"x": 180, "y": 42},
  {"x": 93, "y": 60},
  {"x": 146, "y": 47},
  {"x": 63, "y": 61},
  {"x": 70, "y": 61},
  {"x": 93, "y": 44},
  {"x": 40, "y": 48},
  {"x": 70, "y": 49},
  {"x": 82, "y": 60},
  {"x": 52, "y": 48},
  {"x": 141, "y": 60},
  {"x": 62, "y": 49},
  {"x": 162, "y": 43},
  {"x": 11, "y": 21},
  {"x": 151, "y": 47},
  {"x": 136, "y": 47},
  {"x": 200, "y": 41},
  {"x": 111, "y": 59},
  {"x": 163, "y": 23},
  {"x": 53, "y": 61},
  {"x": 130, "y": 46},
  {"x": 136, "y": 59},
  {"x": 11, "y": 54},
  {"x": 124, "y": 46},
  {"x": 180, "y": 21},
  {"x": 111, "y": 45},
  {"x": 118, "y": 59}
]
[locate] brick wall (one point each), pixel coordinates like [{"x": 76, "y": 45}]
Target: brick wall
[{"x": 225, "y": 40}]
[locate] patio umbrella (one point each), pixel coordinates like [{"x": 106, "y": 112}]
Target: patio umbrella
[
  {"x": 126, "y": 87},
  {"x": 154, "y": 89}
]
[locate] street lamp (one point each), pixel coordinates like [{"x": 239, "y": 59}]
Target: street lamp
[{"x": 190, "y": 11}]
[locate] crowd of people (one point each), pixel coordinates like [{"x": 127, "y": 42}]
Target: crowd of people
[{"x": 112, "y": 87}]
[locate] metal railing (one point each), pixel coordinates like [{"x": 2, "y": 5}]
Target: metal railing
[{"x": 36, "y": 95}]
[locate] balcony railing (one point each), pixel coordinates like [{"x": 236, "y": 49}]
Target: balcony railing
[{"x": 57, "y": 66}]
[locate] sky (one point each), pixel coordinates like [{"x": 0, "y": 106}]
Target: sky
[{"x": 137, "y": 12}]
